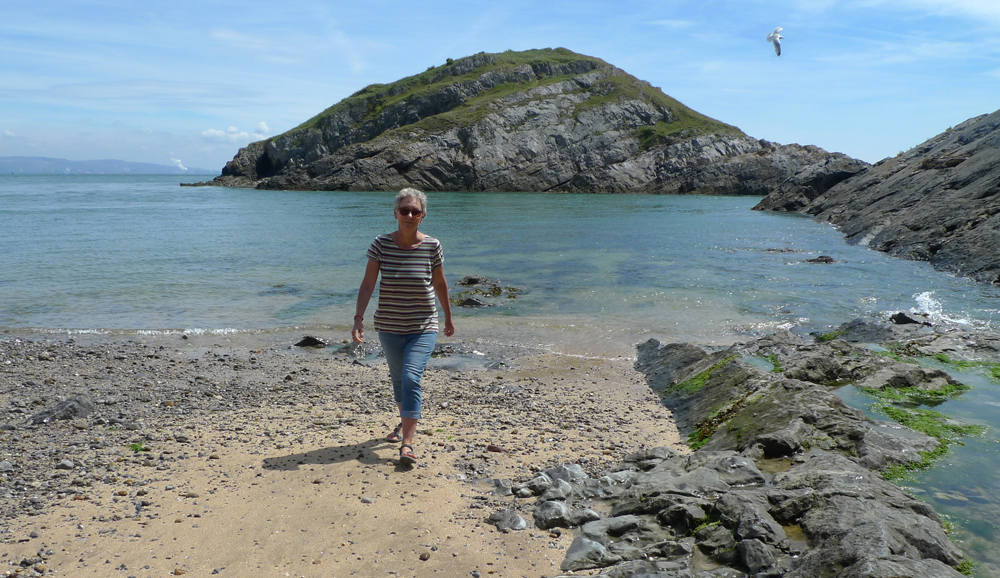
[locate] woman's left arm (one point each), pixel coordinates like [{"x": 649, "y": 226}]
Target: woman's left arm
[{"x": 441, "y": 289}]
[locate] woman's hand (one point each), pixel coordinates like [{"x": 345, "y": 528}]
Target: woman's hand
[
  {"x": 449, "y": 328},
  {"x": 364, "y": 295}
]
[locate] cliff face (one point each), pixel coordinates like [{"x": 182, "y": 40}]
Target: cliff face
[
  {"x": 938, "y": 202},
  {"x": 541, "y": 120}
]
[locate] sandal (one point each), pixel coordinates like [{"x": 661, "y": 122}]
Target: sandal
[
  {"x": 394, "y": 435},
  {"x": 409, "y": 458}
]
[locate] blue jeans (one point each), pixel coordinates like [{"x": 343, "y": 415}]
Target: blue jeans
[{"x": 407, "y": 357}]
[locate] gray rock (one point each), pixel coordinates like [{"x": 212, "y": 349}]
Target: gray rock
[
  {"x": 855, "y": 522},
  {"x": 472, "y": 280},
  {"x": 570, "y": 473},
  {"x": 895, "y": 566},
  {"x": 825, "y": 259},
  {"x": 757, "y": 524},
  {"x": 855, "y": 514},
  {"x": 937, "y": 202},
  {"x": 581, "y": 516},
  {"x": 559, "y": 490},
  {"x": 682, "y": 516},
  {"x": 473, "y": 302},
  {"x": 786, "y": 441},
  {"x": 554, "y": 514},
  {"x": 535, "y": 486},
  {"x": 799, "y": 190},
  {"x": 310, "y": 341},
  {"x": 769, "y": 413},
  {"x": 75, "y": 407},
  {"x": 603, "y": 487},
  {"x": 645, "y": 459},
  {"x": 584, "y": 553},
  {"x": 65, "y": 465},
  {"x": 507, "y": 520},
  {"x": 663, "y": 487},
  {"x": 718, "y": 543},
  {"x": 6, "y": 466},
  {"x": 756, "y": 555},
  {"x": 617, "y": 526},
  {"x": 677, "y": 549},
  {"x": 735, "y": 470},
  {"x": 502, "y": 487}
]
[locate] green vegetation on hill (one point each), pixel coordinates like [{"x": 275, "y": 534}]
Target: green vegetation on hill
[{"x": 368, "y": 103}]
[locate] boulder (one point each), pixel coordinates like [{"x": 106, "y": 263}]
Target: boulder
[{"x": 75, "y": 407}]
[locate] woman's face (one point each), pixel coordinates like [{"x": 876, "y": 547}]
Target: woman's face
[{"x": 409, "y": 212}]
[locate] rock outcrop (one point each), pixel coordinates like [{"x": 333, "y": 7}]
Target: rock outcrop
[
  {"x": 786, "y": 479},
  {"x": 937, "y": 202},
  {"x": 540, "y": 120}
]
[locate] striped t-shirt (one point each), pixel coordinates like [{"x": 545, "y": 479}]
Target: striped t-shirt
[{"x": 406, "y": 299}]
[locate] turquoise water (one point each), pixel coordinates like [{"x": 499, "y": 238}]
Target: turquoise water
[{"x": 598, "y": 274}]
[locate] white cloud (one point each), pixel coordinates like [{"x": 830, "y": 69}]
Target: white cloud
[
  {"x": 179, "y": 164},
  {"x": 8, "y": 133},
  {"x": 263, "y": 131},
  {"x": 232, "y": 134},
  {"x": 235, "y": 135}
]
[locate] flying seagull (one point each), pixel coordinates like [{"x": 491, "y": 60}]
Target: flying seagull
[{"x": 775, "y": 38}]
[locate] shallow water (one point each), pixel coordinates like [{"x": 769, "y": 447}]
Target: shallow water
[
  {"x": 965, "y": 485},
  {"x": 599, "y": 273}
]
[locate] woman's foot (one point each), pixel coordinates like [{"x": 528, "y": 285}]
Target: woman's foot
[
  {"x": 394, "y": 435},
  {"x": 406, "y": 455}
]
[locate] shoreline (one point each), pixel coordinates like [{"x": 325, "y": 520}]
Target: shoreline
[{"x": 267, "y": 458}]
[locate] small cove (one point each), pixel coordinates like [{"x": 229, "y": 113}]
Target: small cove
[{"x": 128, "y": 255}]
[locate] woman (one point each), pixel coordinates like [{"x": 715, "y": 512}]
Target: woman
[{"x": 406, "y": 319}]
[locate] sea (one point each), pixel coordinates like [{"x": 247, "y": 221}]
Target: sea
[{"x": 128, "y": 255}]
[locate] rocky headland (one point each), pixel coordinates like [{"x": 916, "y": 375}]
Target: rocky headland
[
  {"x": 937, "y": 202},
  {"x": 536, "y": 121}
]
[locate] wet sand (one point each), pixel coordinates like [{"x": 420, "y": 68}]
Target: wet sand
[{"x": 221, "y": 455}]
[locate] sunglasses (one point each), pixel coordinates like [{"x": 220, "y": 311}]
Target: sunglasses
[{"x": 408, "y": 212}]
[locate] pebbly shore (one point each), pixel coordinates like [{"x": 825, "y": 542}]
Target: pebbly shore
[{"x": 204, "y": 454}]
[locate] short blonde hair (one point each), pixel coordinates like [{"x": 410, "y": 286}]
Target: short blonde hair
[{"x": 411, "y": 192}]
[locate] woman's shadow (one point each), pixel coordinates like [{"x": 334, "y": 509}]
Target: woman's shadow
[{"x": 363, "y": 452}]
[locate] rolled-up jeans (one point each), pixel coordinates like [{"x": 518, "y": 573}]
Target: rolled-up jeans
[{"x": 407, "y": 356}]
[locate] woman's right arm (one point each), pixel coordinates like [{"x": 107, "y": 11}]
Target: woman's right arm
[{"x": 364, "y": 296}]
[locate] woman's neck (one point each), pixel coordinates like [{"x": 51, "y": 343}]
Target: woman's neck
[{"x": 408, "y": 238}]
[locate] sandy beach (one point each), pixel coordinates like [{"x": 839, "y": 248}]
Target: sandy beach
[{"x": 209, "y": 454}]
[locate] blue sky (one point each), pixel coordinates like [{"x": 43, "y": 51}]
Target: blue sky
[{"x": 191, "y": 82}]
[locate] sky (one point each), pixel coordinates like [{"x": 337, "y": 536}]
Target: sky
[{"x": 188, "y": 83}]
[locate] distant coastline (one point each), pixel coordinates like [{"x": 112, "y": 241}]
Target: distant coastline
[{"x": 51, "y": 166}]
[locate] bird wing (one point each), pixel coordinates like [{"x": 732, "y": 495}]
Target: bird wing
[
  {"x": 777, "y": 47},
  {"x": 775, "y": 34}
]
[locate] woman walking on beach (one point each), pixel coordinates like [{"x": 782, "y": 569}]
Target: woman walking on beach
[{"x": 411, "y": 265}]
